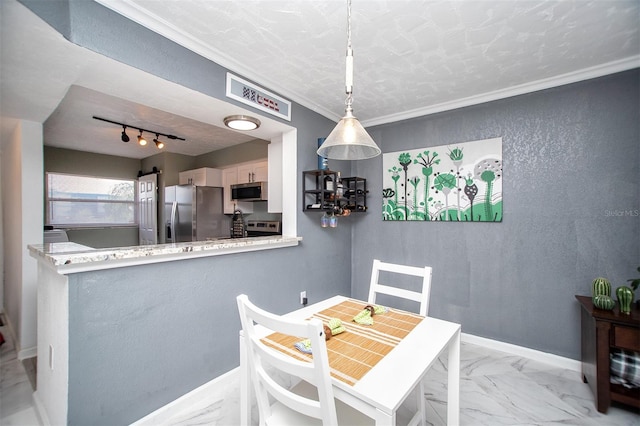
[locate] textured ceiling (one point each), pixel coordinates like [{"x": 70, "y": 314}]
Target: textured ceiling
[
  {"x": 409, "y": 55},
  {"x": 411, "y": 58}
]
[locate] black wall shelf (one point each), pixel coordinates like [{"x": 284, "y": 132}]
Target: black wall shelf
[{"x": 316, "y": 197}]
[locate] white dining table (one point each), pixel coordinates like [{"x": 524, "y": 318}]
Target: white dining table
[{"x": 381, "y": 391}]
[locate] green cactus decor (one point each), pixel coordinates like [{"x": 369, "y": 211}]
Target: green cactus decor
[
  {"x": 602, "y": 301},
  {"x": 625, "y": 298},
  {"x": 600, "y": 286}
]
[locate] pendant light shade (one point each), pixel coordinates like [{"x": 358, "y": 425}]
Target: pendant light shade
[{"x": 349, "y": 140}]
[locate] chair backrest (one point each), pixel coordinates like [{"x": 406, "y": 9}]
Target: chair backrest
[
  {"x": 265, "y": 363},
  {"x": 376, "y": 286}
]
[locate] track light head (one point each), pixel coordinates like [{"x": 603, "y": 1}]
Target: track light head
[
  {"x": 141, "y": 140},
  {"x": 125, "y": 137},
  {"x": 158, "y": 143}
]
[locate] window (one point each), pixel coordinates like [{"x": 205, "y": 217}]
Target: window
[{"x": 74, "y": 200}]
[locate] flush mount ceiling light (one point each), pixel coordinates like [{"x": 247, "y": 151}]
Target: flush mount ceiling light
[
  {"x": 141, "y": 140},
  {"x": 241, "y": 122},
  {"x": 349, "y": 140}
]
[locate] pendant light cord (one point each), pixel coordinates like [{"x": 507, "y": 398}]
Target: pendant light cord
[{"x": 349, "y": 62}]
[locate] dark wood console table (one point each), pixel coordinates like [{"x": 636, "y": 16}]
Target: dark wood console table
[{"x": 601, "y": 331}]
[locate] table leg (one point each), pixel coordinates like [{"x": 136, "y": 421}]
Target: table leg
[
  {"x": 245, "y": 386},
  {"x": 453, "y": 402},
  {"x": 384, "y": 419}
]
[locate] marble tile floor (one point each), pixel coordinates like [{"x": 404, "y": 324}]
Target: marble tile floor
[
  {"x": 496, "y": 388},
  {"x": 16, "y": 390}
]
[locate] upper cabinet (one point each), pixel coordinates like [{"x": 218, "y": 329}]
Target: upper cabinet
[
  {"x": 204, "y": 176},
  {"x": 230, "y": 177},
  {"x": 253, "y": 172}
]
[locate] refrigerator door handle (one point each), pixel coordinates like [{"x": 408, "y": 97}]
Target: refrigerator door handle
[{"x": 172, "y": 225}]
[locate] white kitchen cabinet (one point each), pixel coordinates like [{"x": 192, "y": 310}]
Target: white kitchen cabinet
[
  {"x": 204, "y": 176},
  {"x": 230, "y": 177},
  {"x": 253, "y": 172}
]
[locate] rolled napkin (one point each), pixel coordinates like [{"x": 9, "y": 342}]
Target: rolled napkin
[
  {"x": 380, "y": 309},
  {"x": 303, "y": 346},
  {"x": 335, "y": 327},
  {"x": 365, "y": 317}
]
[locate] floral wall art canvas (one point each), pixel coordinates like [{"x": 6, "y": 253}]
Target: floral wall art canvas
[{"x": 460, "y": 182}]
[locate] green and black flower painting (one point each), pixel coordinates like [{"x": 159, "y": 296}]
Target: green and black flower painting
[{"x": 452, "y": 183}]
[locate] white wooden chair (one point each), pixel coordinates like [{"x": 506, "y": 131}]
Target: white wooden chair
[
  {"x": 422, "y": 297},
  {"x": 311, "y": 402}
]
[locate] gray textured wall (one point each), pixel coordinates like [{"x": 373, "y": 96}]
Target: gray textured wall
[
  {"x": 142, "y": 337},
  {"x": 571, "y": 158},
  {"x": 570, "y": 155}
]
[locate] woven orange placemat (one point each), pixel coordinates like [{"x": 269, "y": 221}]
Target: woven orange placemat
[{"x": 354, "y": 352}]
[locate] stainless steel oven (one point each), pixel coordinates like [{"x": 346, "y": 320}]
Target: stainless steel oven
[{"x": 259, "y": 228}]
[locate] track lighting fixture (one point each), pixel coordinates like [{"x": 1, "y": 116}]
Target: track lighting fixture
[
  {"x": 241, "y": 122},
  {"x": 125, "y": 137},
  {"x": 141, "y": 140},
  {"x": 158, "y": 143}
]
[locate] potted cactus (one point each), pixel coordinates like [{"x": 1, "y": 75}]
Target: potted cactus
[{"x": 601, "y": 294}]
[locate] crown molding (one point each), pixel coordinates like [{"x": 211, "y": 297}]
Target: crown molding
[
  {"x": 547, "y": 83},
  {"x": 158, "y": 25}
]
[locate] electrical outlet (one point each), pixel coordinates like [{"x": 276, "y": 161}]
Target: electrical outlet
[{"x": 303, "y": 297}]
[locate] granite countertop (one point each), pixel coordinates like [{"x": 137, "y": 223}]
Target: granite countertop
[{"x": 71, "y": 257}]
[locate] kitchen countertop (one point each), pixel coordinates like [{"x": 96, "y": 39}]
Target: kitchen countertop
[{"x": 70, "y": 257}]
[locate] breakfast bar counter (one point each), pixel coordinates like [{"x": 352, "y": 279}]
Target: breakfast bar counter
[
  {"x": 71, "y": 257},
  {"x": 125, "y": 331}
]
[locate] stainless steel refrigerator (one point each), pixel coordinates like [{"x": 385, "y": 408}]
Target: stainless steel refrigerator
[{"x": 194, "y": 213}]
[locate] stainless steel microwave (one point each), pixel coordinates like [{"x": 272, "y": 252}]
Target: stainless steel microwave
[{"x": 253, "y": 191}]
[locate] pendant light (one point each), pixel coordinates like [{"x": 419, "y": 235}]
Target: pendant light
[{"x": 349, "y": 140}]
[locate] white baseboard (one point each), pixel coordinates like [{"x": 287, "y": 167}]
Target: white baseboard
[
  {"x": 31, "y": 352},
  {"x": 207, "y": 391},
  {"x": 21, "y": 353},
  {"x": 532, "y": 354}
]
